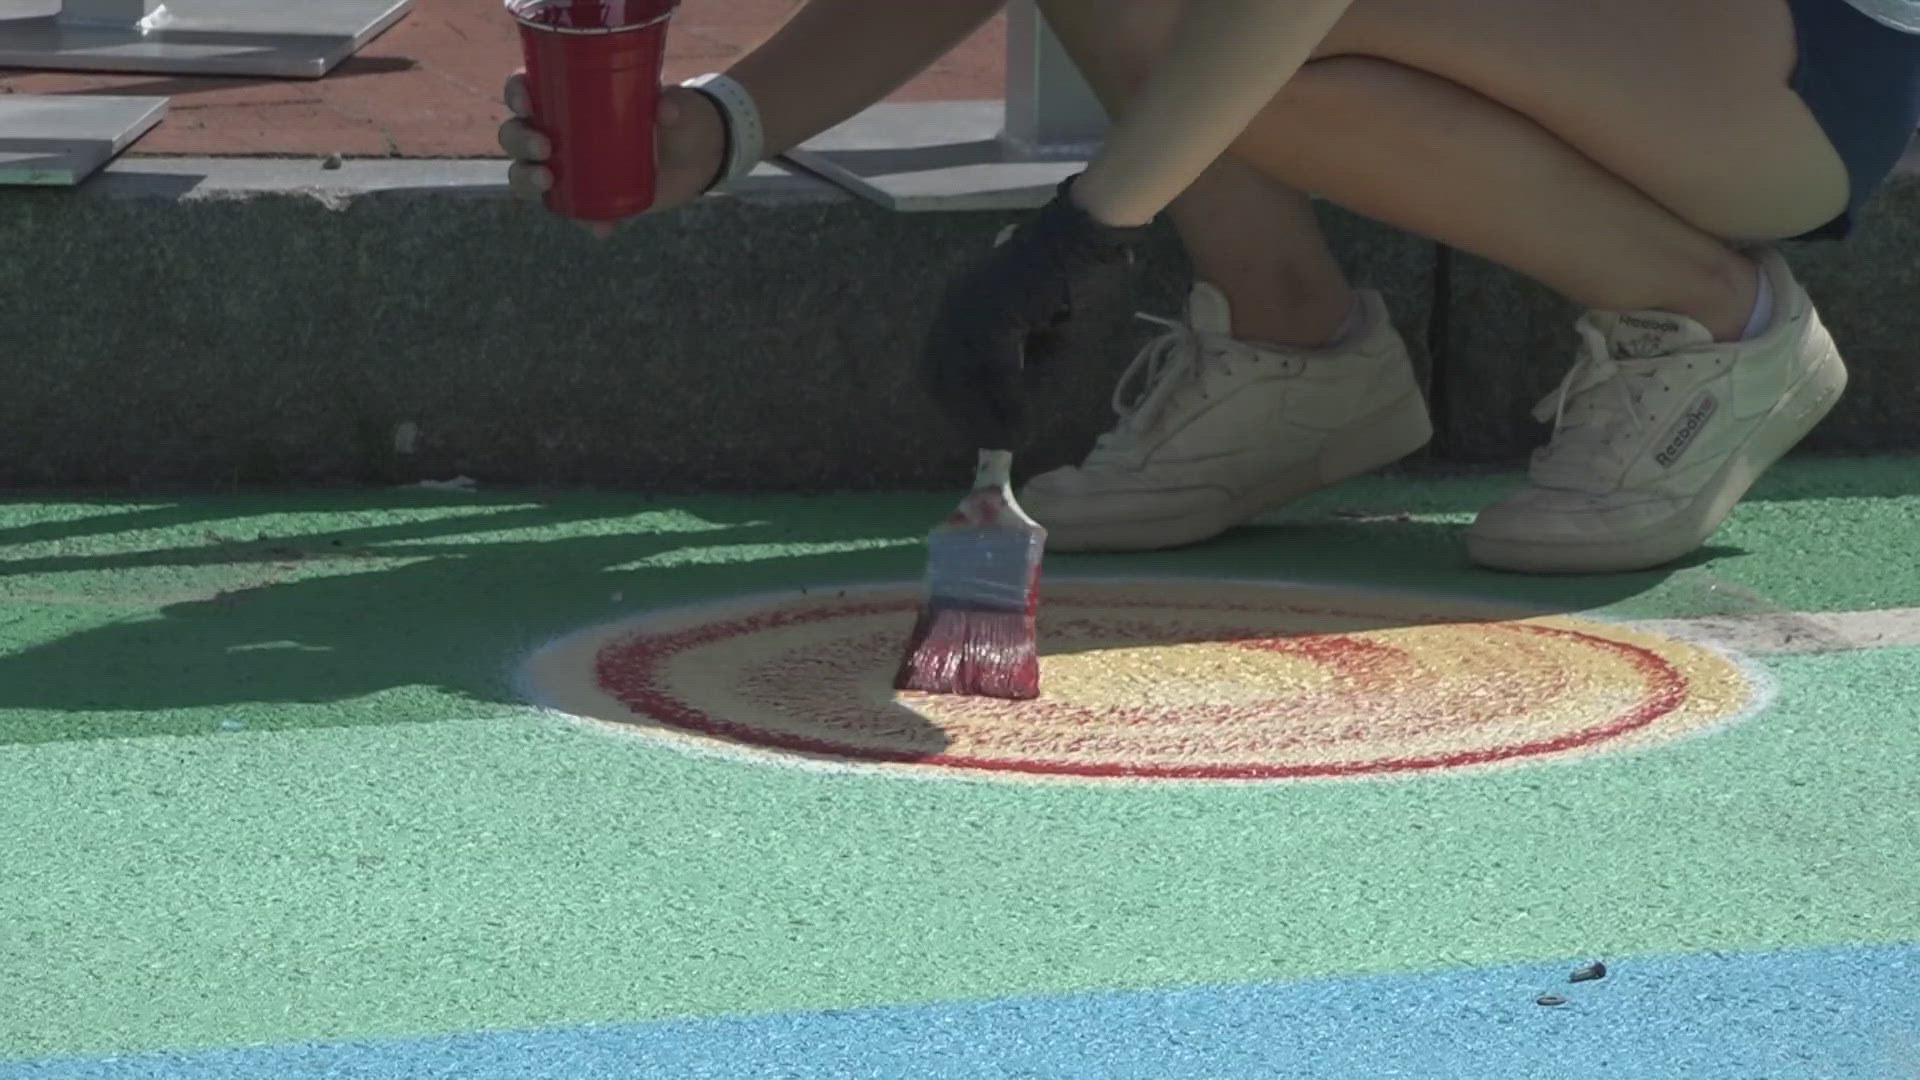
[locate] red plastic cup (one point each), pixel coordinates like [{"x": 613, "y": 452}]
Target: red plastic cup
[{"x": 593, "y": 79}]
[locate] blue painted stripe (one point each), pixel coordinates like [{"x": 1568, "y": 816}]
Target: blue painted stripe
[{"x": 1832, "y": 1014}]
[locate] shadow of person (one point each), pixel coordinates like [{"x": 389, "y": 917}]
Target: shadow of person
[
  {"x": 427, "y": 619},
  {"x": 827, "y": 692}
]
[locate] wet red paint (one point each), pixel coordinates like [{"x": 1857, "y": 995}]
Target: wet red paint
[
  {"x": 971, "y": 652},
  {"x": 570, "y": 17},
  {"x": 591, "y": 14},
  {"x": 628, "y": 670}
]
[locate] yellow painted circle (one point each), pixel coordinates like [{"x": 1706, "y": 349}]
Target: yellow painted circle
[{"x": 1157, "y": 679}]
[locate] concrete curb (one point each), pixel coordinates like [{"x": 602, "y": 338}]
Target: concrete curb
[
  {"x": 214, "y": 321},
  {"x": 338, "y": 182}
]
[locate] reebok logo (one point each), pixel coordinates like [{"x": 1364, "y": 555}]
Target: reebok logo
[
  {"x": 1689, "y": 426},
  {"x": 1641, "y": 322},
  {"x": 1636, "y": 336}
]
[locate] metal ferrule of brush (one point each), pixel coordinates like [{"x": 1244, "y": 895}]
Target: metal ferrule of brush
[
  {"x": 987, "y": 564},
  {"x": 982, "y": 569}
]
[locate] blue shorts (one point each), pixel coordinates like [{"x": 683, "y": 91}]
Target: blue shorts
[{"x": 1861, "y": 80}]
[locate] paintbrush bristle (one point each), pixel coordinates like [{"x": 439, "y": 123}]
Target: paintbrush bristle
[
  {"x": 978, "y": 653},
  {"x": 976, "y": 634}
]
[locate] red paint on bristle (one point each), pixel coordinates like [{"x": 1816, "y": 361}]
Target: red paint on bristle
[
  {"x": 955, "y": 650},
  {"x": 976, "y": 653}
]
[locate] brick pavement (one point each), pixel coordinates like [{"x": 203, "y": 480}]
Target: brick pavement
[{"x": 430, "y": 87}]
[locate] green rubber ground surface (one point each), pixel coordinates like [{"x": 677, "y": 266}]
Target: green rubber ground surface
[{"x": 265, "y": 780}]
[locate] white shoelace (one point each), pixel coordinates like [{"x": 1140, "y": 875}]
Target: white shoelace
[
  {"x": 1167, "y": 369},
  {"x": 1594, "y": 402}
]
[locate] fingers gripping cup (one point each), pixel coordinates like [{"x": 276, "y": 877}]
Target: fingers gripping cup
[{"x": 593, "y": 80}]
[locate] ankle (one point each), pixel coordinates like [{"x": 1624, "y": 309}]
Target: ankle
[
  {"x": 1726, "y": 298},
  {"x": 1299, "y": 321}
]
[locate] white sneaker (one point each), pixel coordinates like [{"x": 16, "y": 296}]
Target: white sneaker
[
  {"x": 1221, "y": 430},
  {"x": 1658, "y": 432}
]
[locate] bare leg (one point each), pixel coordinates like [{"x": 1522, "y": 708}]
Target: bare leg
[
  {"x": 1609, "y": 151},
  {"x": 1259, "y": 242},
  {"x": 1253, "y": 237}
]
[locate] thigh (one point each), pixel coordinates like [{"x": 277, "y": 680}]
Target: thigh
[{"x": 1688, "y": 100}]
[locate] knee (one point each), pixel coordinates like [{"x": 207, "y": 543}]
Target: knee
[
  {"x": 1345, "y": 83},
  {"x": 1116, "y": 43},
  {"x": 1142, "y": 29},
  {"x": 1346, "y": 97}
]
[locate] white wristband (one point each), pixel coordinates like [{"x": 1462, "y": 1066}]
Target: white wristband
[{"x": 746, "y": 140}]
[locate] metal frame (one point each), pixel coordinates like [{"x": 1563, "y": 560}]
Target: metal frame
[
  {"x": 300, "y": 39},
  {"x": 60, "y": 140},
  {"x": 1051, "y": 111},
  {"x": 970, "y": 155}
]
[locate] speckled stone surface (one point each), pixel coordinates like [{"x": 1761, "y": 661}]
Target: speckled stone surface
[
  {"x": 738, "y": 345},
  {"x": 275, "y": 806},
  {"x": 750, "y": 343}
]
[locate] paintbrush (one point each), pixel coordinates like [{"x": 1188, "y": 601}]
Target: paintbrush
[{"x": 975, "y": 634}]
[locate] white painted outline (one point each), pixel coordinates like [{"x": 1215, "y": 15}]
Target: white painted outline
[{"x": 542, "y": 673}]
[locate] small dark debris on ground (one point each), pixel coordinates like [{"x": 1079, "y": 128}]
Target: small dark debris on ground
[
  {"x": 1551, "y": 1000},
  {"x": 1367, "y": 517},
  {"x": 1595, "y": 970},
  {"x": 264, "y": 548}
]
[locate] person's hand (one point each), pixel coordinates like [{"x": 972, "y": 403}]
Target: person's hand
[
  {"x": 691, "y": 141},
  {"x": 1006, "y": 315}
]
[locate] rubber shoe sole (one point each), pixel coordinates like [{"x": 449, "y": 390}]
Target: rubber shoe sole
[
  {"x": 1374, "y": 441},
  {"x": 1797, "y": 414}
]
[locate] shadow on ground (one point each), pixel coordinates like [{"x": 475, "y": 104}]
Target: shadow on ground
[{"x": 435, "y": 614}]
